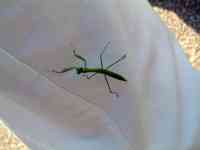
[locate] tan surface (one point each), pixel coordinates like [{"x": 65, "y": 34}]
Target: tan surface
[
  {"x": 186, "y": 35},
  {"x": 188, "y": 38},
  {"x": 8, "y": 141}
]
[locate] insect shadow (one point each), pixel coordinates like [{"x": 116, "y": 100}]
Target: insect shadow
[{"x": 104, "y": 71}]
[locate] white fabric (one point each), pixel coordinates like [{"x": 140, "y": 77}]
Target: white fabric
[{"x": 157, "y": 109}]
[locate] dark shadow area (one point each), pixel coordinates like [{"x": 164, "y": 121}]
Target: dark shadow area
[{"x": 187, "y": 10}]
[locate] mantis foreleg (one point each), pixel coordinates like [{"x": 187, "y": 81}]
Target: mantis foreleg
[{"x": 81, "y": 58}]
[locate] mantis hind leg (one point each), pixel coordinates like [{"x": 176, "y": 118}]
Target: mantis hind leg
[
  {"x": 109, "y": 88},
  {"x": 114, "y": 63},
  {"x": 105, "y": 77},
  {"x": 104, "y": 49}
]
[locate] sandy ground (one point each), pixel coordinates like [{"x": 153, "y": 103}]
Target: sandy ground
[
  {"x": 8, "y": 140},
  {"x": 181, "y": 17}
]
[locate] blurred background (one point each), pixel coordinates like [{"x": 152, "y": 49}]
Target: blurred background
[{"x": 181, "y": 16}]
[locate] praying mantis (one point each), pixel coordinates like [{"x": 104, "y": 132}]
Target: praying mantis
[{"x": 104, "y": 71}]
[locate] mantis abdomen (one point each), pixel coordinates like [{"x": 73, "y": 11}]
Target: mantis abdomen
[{"x": 101, "y": 71}]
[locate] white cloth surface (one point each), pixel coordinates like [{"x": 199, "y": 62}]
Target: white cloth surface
[{"x": 157, "y": 109}]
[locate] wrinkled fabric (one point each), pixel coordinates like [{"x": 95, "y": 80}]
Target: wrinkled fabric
[{"x": 157, "y": 108}]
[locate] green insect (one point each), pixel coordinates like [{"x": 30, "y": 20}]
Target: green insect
[{"x": 102, "y": 70}]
